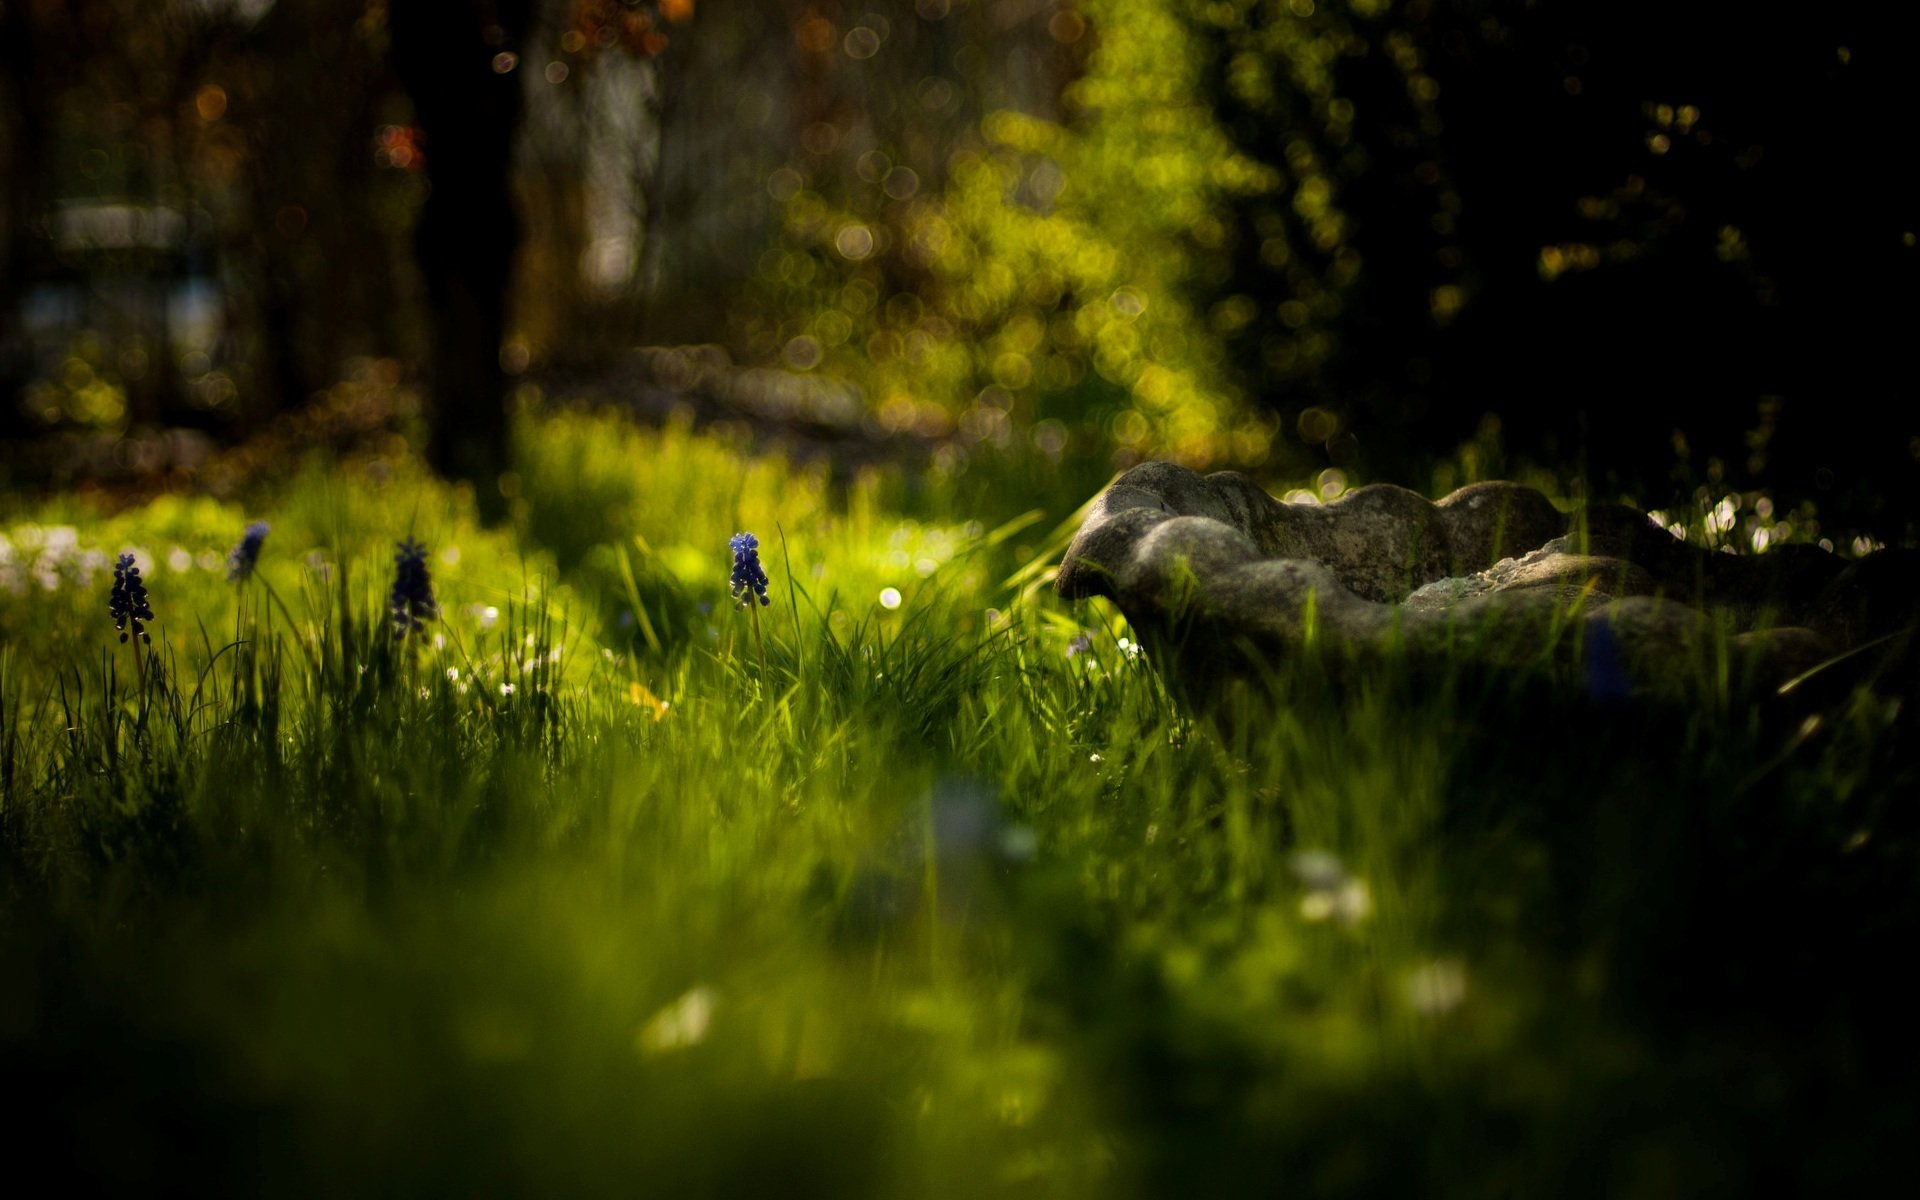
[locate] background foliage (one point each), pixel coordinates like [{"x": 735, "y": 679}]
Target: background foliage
[{"x": 1656, "y": 250}]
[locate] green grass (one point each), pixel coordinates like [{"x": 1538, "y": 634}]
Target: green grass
[{"x": 926, "y": 907}]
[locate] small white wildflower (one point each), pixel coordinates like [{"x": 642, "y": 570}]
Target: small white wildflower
[
  {"x": 682, "y": 1023},
  {"x": 1332, "y": 894},
  {"x": 1349, "y": 904},
  {"x": 87, "y": 564},
  {"x": 1438, "y": 987},
  {"x": 484, "y": 615}
]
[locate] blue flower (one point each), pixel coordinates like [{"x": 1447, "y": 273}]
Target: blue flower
[
  {"x": 749, "y": 579},
  {"x": 412, "y": 602},
  {"x": 128, "y": 604},
  {"x": 1081, "y": 643},
  {"x": 242, "y": 558}
]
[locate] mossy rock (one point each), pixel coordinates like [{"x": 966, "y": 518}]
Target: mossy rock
[{"x": 1222, "y": 581}]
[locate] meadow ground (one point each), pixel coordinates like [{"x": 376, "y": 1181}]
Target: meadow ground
[{"x": 593, "y": 884}]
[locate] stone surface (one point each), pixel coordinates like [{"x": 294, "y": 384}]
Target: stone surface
[{"x": 1221, "y": 579}]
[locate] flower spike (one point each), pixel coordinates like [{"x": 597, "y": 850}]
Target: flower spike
[
  {"x": 243, "y": 558},
  {"x": 128, "y": 603},
  {"x": 412, "y": 603},
  {"x": 749, "y": 580}
]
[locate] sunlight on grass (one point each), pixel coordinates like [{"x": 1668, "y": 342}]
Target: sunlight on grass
[{"x": 945, "y": 895}]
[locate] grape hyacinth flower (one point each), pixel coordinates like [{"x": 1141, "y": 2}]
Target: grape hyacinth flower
[
  {"x": 243, "y": 558},
  {"x": 412, "y": 603},
  {"x": 749, "y": 578},
  {"x": 749, "y": 581},
  {"x": 128, "y": 604}
]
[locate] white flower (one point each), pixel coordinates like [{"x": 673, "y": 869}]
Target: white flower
[
  {"x": 683, "y": 1023},
  {"x": 1332, "y": 894},
  {"x": 1438, "y": 987}
]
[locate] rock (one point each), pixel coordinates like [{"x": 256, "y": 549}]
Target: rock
[{"x": 1221, "y": 580}]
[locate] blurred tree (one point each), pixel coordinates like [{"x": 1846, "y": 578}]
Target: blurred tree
[
  {"x": 175, "y": 198},
  {"x": 1028, "y": 277},
  {"x": 459, "y": 64},
  {"x": 464, "y": 67},
  {"x": 605, "y": 84},
  {"x": 730, "y": 106},
  {"x": 312, "y": 225},
  {"x": 1669, "y": 247},
  {"x": 1675, "y": 241},
  {"x": 24, "y": 132},
  {"x": 98, "y": 182}
]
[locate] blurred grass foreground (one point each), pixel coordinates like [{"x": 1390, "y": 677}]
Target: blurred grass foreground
[{"x": 396, "y": 798}]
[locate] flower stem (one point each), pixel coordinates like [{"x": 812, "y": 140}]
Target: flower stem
[
  {"x": 759, "y": 644},
  {"x": 140, "y": 672}
]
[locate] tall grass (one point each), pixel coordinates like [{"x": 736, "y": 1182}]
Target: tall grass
[{"x": 567, "y": 893}]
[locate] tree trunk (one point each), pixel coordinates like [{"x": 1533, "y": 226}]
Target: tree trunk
[{"x": 459, "y": 62}]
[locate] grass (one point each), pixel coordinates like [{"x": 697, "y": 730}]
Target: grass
[{"x": 578, "y": 896}]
